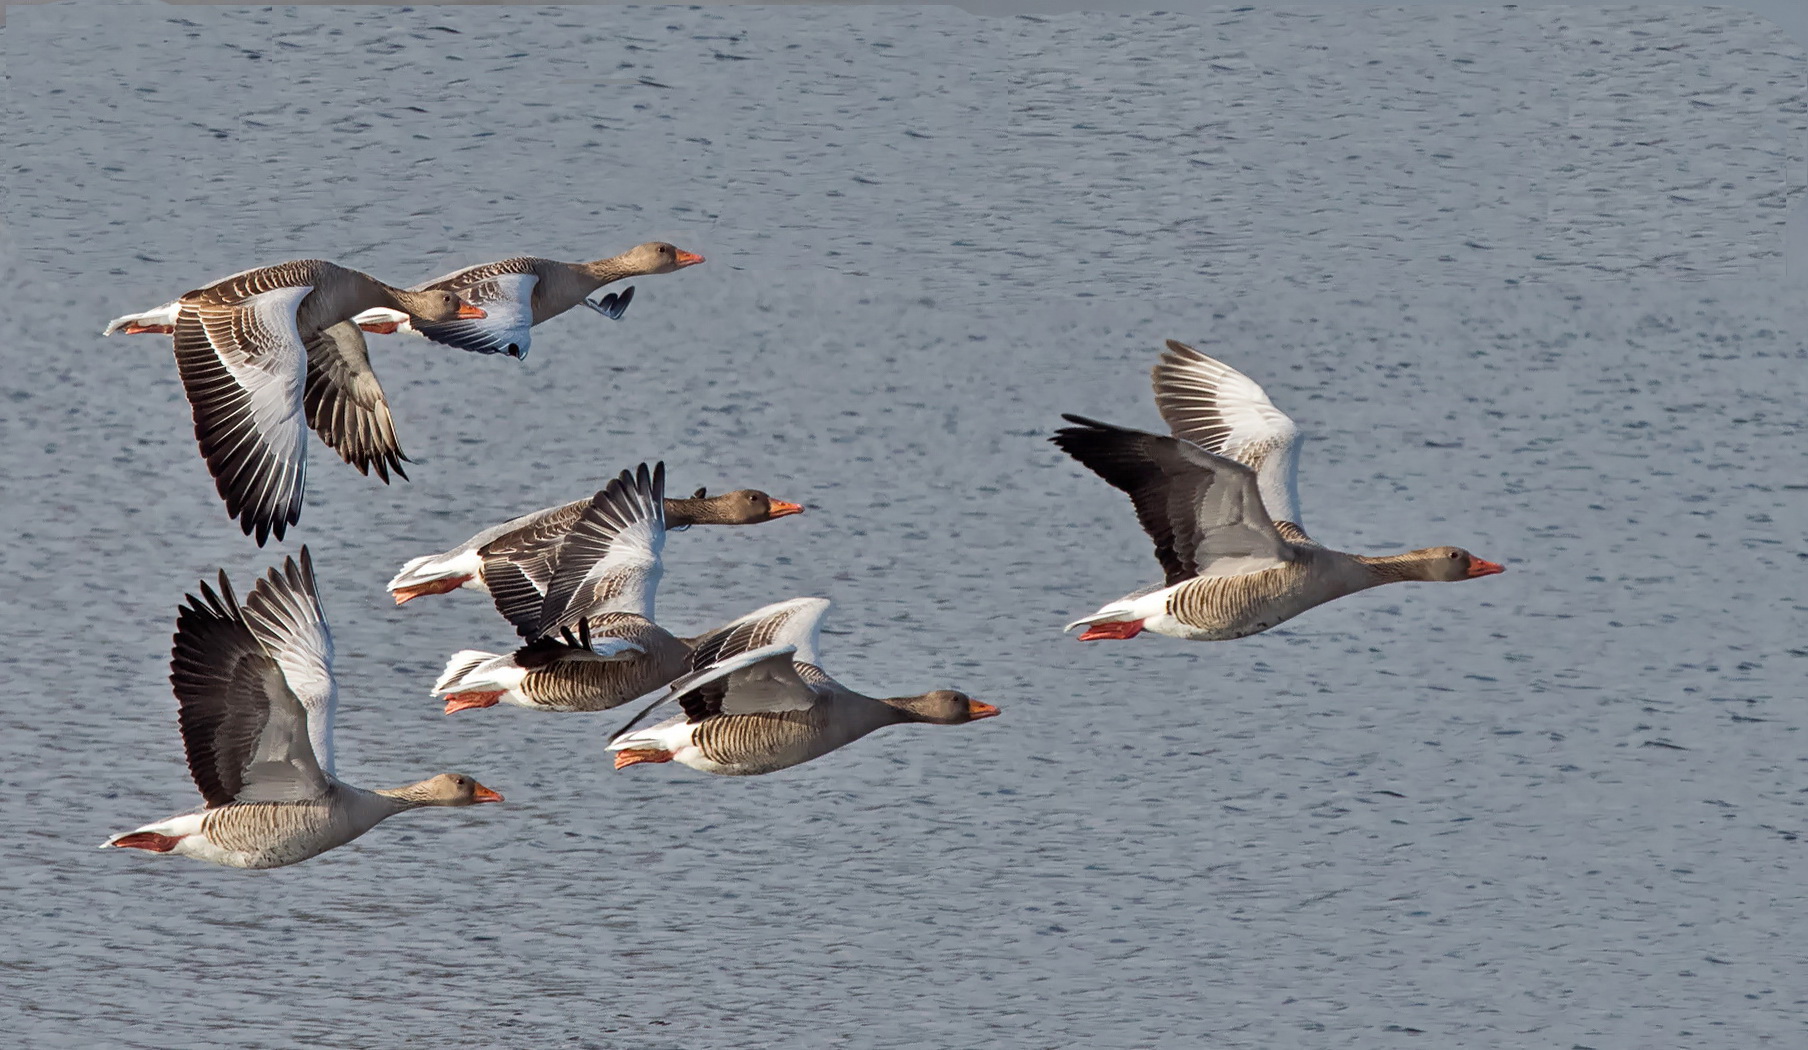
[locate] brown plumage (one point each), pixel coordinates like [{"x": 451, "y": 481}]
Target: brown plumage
[
  {"x": 521, "y": 292},
  {"x": 515, "y": 558},
  {"x": 758, "y": 700},
  {"x": 263, "y": 355},
  {"x": 255, "y": 700},
  {"x": 1230, "y": 569}
]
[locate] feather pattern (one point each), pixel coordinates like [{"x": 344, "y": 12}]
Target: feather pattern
[
  {"x": 609, "y": 561},
  {"x": 612, "y": 660},
  {"x": 242, "y": 368},
  {"x": 1204, "y": 496},
  {"x": 346, "y": 405},
  {"x": 255, "y": 700},
  {"x": 1225, "y": 412},
  {"x": 1204, "y": 512},
  {"x": 245, "y": 731}
]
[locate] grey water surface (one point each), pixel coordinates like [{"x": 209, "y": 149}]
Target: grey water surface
[{"x": 1518, "y": 273}]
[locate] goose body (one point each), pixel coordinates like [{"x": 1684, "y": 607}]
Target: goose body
[
  {"x": 256, "y": 698},
  {"x": 757, "y": 701},
  {"x": 1203, "y": 494},
  {"x": 266, "y": 354},
  {"x": 616, "y": 658},
  {"x": 523, "y": 291},
  {"x": 463, "y": 565},
  {"x": 583, "y": 600}
]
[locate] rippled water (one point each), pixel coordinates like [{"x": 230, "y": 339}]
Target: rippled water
[{"x": 1518, "y": 275}]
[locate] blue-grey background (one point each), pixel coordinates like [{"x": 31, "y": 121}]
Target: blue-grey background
[{"x": 1518, "y": 273}]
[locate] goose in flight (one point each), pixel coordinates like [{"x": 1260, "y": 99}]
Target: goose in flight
[
  {"x": 462, "y": 566},
  {"x": 268, "y": 353},
  {"x": 758, "y": 701},
  {"x": 524, "y": 291},
  {"x": 255, "y": 695},
  {"x": 1219, "y": 498}
]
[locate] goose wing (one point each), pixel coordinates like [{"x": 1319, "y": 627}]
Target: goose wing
[
  {"x": 1225, "y": 412},
  {"x": 797, "y": 623},
  {"x": 1204, "y": 512},
  {"x": 243, "y": 727},
  {"x": 505, "y": 292},
  {"x": 242, "y": 364},
  {"x": 609, "y": 561},
  {"x": 284, "y": 614},
  {"x": 345, "y": 402},
  {"x": 762, "y": 680}
]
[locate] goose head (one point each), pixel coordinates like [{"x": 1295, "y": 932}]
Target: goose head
[
  {"x": 1448, "y": 564},
  {"x": 448, "y": 789},
  {"x": 741, "y": 507},
  {"x": 943, "y": 707},
  {"x": 654, "y": 257},
  {"x": 436, "y": 305}
]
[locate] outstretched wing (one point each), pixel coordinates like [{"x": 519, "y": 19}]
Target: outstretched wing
[
  {"x": 1204, "y": 512},
  {"x": 345, "y": 402},
  {"x": 284, "y": 615},
  {"x": 507, "y": 300},
  {"x": 244, "y": 730},
  {"x": 797, "y": 623},
  {"x": 763, "y": 680},
  {"x": 1225, "y": 412},
  {"x": 609, "y": 562},
  {"x": 242, "y": 366}
]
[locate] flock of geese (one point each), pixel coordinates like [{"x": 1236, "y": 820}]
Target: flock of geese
[{"x": 267, "y": 354}]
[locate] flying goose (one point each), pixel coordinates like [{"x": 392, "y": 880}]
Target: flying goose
[
  {"x": 758, "y": 701},
  {"x": 255, "y": 694},
  {"x": 522, "y": 292},
  {"x": 267, "y": 353},
  {"x": 462, "y": 566},
  {"x": 598, "y": 580},
  {"x": 1219, "y": 498}
]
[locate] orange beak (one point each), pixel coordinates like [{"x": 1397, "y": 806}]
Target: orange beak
[
  {"x": 977, "y": 709},
  {"x": 687, "y": 258},
  {"x": 781, "y": 509},
  {"x": 471, "y": 313},
  {"x": 466, "y": 701},
  {"x": 1478, "y": 567},
  {"x": 484, "y": 794}
]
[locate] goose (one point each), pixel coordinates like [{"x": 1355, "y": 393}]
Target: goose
[
  {"x": 598, "y": 580},
  {"x": 462, "y": 566},
  {"x": 758, "y": 701},
  {"x": 524, "y": 291},
  {"x": 266, "y": 354},
  {"x": 1219, "y": 497},
  {"x": 256, "y": 696}
]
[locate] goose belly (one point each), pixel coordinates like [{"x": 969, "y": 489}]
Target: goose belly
[
  {"x": 751, "y": 744},
  {"x": 1220, "y": 608},
  {"x": 266, "y": 835}
]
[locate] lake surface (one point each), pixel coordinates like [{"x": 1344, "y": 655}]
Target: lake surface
[{"x": 1518, "y": 274}]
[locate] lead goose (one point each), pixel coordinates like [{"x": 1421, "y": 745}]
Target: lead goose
[
  {"x": 462, "y": 566},
  {"x": 1220, "y": 500},
  {"x": 598, "y": 580},
  {"x": 523, "y": 291},
  {"x": 255, "y": 693},
  {"x": 758, "y": 701},
  {"x": 266, "y": 354}
]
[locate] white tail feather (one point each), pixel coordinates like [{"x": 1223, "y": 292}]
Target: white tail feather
[
  {"x": 470, "y": 670},
  {"x": 383, "y": 315},
  {"x": 163, "y": 315},
  {"x": 435, "y": 567}
]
